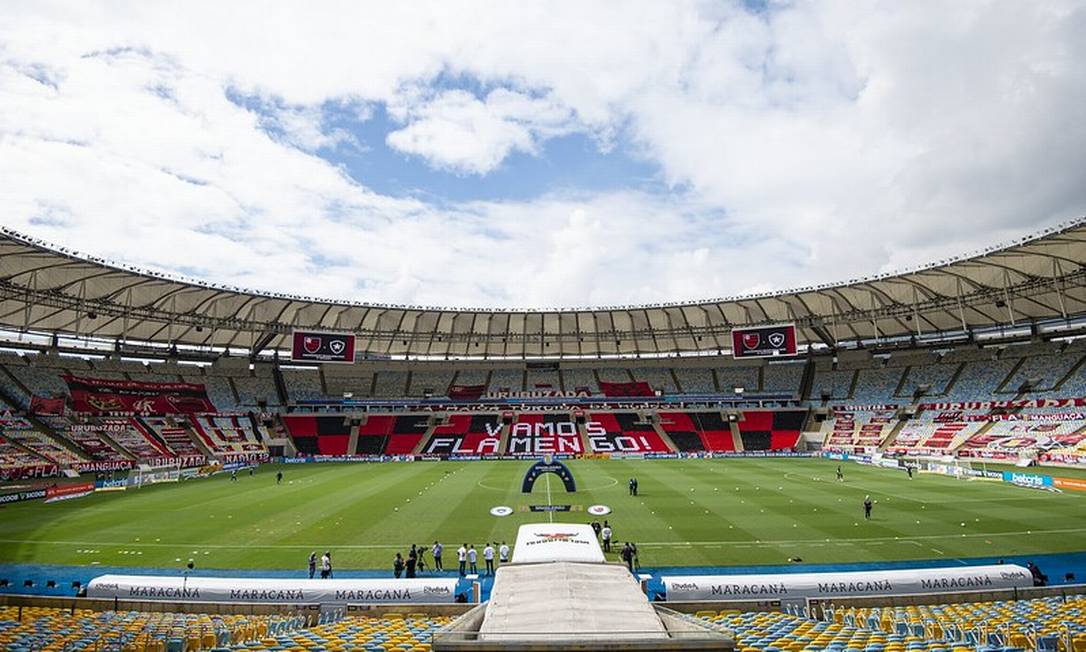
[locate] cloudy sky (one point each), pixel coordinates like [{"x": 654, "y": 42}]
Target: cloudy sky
[{"x": 539, "y": 153}]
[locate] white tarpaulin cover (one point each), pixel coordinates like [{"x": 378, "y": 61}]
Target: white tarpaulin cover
[
  {"x": 572, "y": 600},
  {"x": 292, "y": 591},
  {"x": 796, "y": 586},
  {"x": 539, "y": 542}
]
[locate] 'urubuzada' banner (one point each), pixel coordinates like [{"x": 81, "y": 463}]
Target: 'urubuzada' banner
[
  {"x": 764, "y": 342},
  {"x": 107, "y": 396},
  {"x": 308, "y": 346}
]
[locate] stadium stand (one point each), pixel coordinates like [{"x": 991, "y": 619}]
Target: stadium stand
[
  {"x": 781, "y": 378},
  {"x": 390, "y": 384},
  {"x": 435, "y": 383},
  {"x": 623, "y": 432},
  {"x": 228, "y": 434},
  {"x": 542, "y": 379},
  {"x": 466, "y": 434},
  {"x": 695, "y": 381},
  {"x": 45, "y": 628},
  {"x": 302, "y": 384},
  {"x": 658, "y": 378},
  {"x": 698, "y": 431},
  {"x": 578, "y": 377},
  {"x": 502, "y": 380},
  {"x": 766, "y": 430},
  {"x": 730, "y": 377},
  {"x": 42, "y": 445},
  {"x": 319, "y": 435}
]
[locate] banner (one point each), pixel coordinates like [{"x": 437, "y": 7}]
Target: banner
[
  {"x": 622, "y": 390},
  {"x": 310, "y": 346},
  {"x": 466, "y": 392},
  {"x": 274, "y": 591},
  {"x": 539, "y": 542},
  {"x": 107, "y": 396},
  {"x": 20, "y": 496},
  {"x": 764, "y": 342},
  {"x": 47, "y": 406},
  {"x": 68, "y": 491},
  {"x": 798, "y": 587}
]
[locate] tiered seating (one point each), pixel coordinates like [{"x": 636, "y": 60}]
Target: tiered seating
[
  {"x": 614, "y": 375},
  {"x": 831, "y": 383},
  {"x": 505, "y": 379},
  {"x": 218, "y": 391},
  {"x": 1043, "y": 369},
  {"x": 466, "y": 434},
  {"x": 390, "y": 384},
  {"x": 659, "y": 378},
  {"x": 622, "y": 432},
  {"x": 857, "y": 430},
  {"x": 43, "y": 628},
  {"x": 876, "y": 386},
  {"x": 542, "y": 379},
  {"x": 1025, "y": 438},
  {"x": 303, "y": 384},
  {"x": 44, "y": 446},
  {"x": 764, "y": 430},
  {"x": 934, "y": 377},
  {"x": 41, "y": 380},
  {"x": 923, "y": 437},
  {"x": 227, "y": 434},
  {"x": 780, "y": 378},
  {"x": 578, "y": 377},
  {"x": 980, "y": 378},
  {"x": 386, "y": 434},
  {"x": 173, "y": 433},
  {"x": 138, "y": 441},
  {"x": 91, "y": 443},
  {"x": 257, "y": 388},
  {"x": 696, "y": 381},
  {"x": 731, "y": 377},
  {"x": 779, "y": 632},
  {"x": 539, "y": 434},
  {"x": 16, "y": 462},
  {"x": 698, "y": 431},
  {"x": 318, "y": 435},
  {"x": 1041, "y": 623},
  {"x": 435, "y": 383},
  {"x": 343, "y": 379}
]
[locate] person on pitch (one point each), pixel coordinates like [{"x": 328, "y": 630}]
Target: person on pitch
[
  {"x": 635, "y": 486},
  {"x": 279, "y": 477},
  {"x": 488, "y": 557},
  {"x": 462, "y": 557},
  {"x": 412, "y": 562},
  {"x": 436, "y": 552},
  {"x": 326, "y": 565},
  {"x": 867, "y": 508},
  {"x": 397, "y": 566},
  {"x": 631, "y": 486},
  {"x": 473, "y": 558},
  {"x": 503, "y": 553},
  {"x": 840, "y": 476},
  {"x": 312, "y": 564},
  {"x": 606, "y": 537}
]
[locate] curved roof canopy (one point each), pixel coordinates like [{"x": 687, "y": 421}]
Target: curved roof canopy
[{"x": 49, "y": 289}]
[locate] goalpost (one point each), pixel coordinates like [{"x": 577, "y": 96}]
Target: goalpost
[{"x": 144, "y": 474}]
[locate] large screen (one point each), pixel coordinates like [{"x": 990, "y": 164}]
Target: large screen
[
  {"x": 311, "y": 346},
  {"x": 764, "y": 341}
]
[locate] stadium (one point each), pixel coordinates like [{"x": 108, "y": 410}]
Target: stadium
[{"x": 874, "y": 442}]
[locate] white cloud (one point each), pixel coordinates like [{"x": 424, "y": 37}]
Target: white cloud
[
  {"x": 824, "y": 141},
  {"x": 458, "y": 131}
]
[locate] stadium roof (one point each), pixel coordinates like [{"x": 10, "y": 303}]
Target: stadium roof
[{"x": 44, "y": 288}]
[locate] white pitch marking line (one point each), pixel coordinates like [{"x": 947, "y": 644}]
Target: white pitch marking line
[{"x": 550, "y": 513}]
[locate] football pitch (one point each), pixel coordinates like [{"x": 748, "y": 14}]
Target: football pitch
[{"x": 689, "y": 513}]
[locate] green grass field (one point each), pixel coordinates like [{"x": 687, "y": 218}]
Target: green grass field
[{"x": 690, "y": 513}]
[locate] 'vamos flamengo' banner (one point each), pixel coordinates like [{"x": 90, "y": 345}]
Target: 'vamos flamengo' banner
[
  {"x": 107, "y": 396},
  {"x": 797, "y": 587},
  {"x": 274, "y": 591}
]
